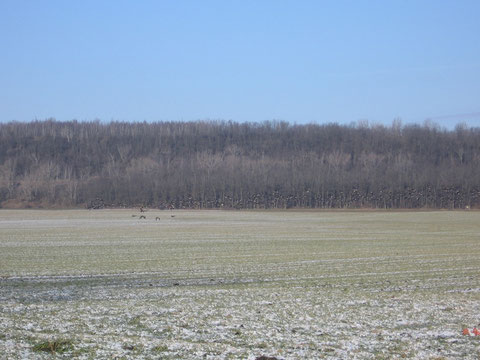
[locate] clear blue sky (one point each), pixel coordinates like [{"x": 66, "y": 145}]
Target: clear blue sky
[{"x": 298, "y": 61}]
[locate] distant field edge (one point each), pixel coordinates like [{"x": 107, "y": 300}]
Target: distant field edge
[{"x": 17, "y": 206}]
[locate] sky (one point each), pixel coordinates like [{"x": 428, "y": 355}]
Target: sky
[{"x": 309, "y": 61}]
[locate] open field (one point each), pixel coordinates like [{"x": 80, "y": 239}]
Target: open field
[{"x": 239, "y": 284}]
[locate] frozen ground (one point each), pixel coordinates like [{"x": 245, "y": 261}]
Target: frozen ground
[{"x": 221, "y": 284}]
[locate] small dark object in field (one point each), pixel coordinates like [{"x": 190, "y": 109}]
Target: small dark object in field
[
  {"x": 128, "y": 347},
  {"x": 157, "y": 218},
  {"x": 134, "y": 215},
  {"x": 142, "y": 217},
  {"x": 263, "y": 357},
  {"x": 172, "y": 215},
  {"x": 150, "y": 284},
  {"x": 176, "y": 284}
]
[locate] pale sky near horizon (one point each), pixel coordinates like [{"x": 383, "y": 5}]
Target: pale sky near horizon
[{"x": 241, "y": 60}]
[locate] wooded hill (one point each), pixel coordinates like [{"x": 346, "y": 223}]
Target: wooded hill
[{"x": 237, "y": 165}]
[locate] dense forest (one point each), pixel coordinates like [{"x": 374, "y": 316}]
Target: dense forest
[{"x": 214, "y": 164}]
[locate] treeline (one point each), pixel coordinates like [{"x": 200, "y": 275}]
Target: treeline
[{"x": 238, "y": 165}]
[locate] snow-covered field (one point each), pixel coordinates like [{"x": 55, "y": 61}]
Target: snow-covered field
[{"x": 239, "y": 284}]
